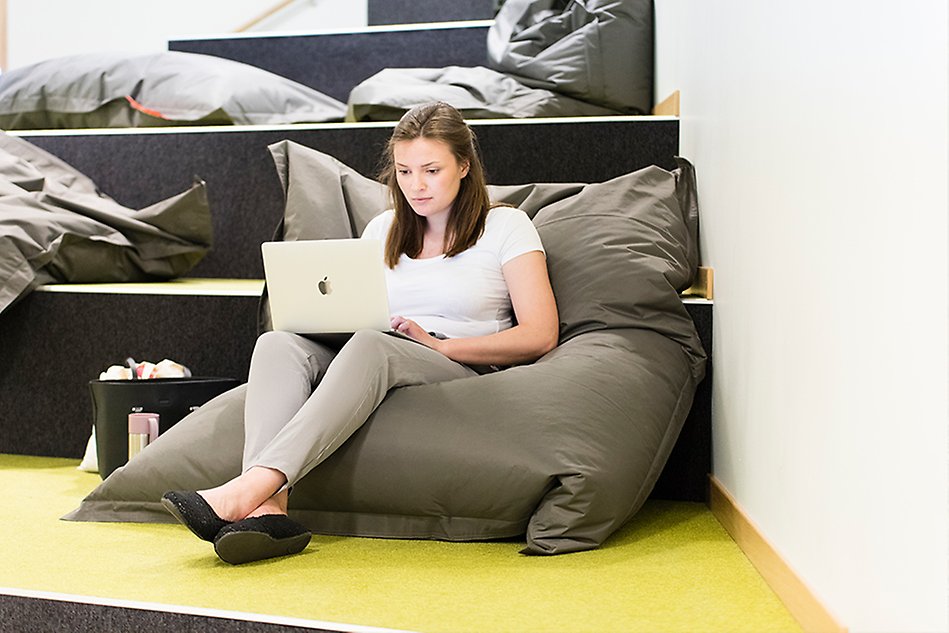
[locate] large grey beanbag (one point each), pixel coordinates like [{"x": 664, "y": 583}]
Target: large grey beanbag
[
  {"x": 599, "y": 51},
  {"x": 56, "y": 226},
  {"x": 562, "y": 451},
  {"x": 479, "y": 93},
  {"x": 101, "y": 90}
]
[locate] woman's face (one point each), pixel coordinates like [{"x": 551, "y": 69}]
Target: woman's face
[{"x": 429, "y": 176}]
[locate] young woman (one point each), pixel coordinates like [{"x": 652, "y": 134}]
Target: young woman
[{"x": 466, "y": 279}]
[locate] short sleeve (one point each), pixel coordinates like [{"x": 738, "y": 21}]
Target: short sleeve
[
  {"x": 378, "y": 227},
  {"x": 519, "y": 235}
]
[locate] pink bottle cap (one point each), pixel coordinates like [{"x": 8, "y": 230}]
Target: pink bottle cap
[{"x": 144, "y": 423}]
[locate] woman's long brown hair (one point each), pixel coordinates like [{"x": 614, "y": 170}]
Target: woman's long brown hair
[{"x": 441, "y": 122}]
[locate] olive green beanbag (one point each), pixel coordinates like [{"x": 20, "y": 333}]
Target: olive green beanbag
[{"x": 563, "y": 451}]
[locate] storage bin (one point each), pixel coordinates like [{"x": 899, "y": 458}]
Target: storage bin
[{"x": 171, "y": 398}]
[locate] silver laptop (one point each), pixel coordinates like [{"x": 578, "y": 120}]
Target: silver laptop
[{"x": 326, "y": 286}]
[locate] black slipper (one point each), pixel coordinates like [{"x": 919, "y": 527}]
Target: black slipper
[
  {"x": 192, "y": 510},
  {"x": 261, "y": 537}
]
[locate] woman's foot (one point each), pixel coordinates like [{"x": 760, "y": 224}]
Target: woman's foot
[
  {"x": 260, "y": 537},
  {"x": 250, "y": 495},
  {"x": 246, "y": 495},
  {"x": 193, "y": 511},
  {"x": 276, "y": 504}
]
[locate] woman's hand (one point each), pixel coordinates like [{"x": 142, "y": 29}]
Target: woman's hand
[
  {"x": 535, "y": 310},
  {"x": 414, "y": 331}
]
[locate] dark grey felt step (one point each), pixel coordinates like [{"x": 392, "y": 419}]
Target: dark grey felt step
[
  {"x": 36, "y": 611},
  {"x": 419, "y": 11},
  {"x": 334, "y": 62},
  {"x": 140, "y": 167},
  {"x": 54, "y": 343}
]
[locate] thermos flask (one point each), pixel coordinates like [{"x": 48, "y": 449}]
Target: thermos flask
[{"x": 143, "y": 429}]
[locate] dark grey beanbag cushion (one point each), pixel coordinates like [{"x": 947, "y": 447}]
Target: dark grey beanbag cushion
[
  {"x": 101, "y": 90},
  {"x": 599, "y": 51},
  {"x": 479, "y": 93},
  {"x": 563, "y": 451},
  {"x": 56, "y": 226}
]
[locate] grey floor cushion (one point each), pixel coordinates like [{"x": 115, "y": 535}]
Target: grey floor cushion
[
  {"x": 600, "y": 51},
  {"x": 479, "y": 93},
  {"x": 102, "y": 90},
  {"x": 56, "y": 226}
]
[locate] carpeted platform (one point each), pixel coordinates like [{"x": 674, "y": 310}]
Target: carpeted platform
[{"x": 672, "y": 569}]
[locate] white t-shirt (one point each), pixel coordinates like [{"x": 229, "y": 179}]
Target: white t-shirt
[{"x": 464, "y": 295}]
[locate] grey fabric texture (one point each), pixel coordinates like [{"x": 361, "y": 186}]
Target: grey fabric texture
[
  {"x": 479, "y": 93},
  {"x": 55, "y": 226},
  {"x": 325, "y": 198},
  {"x": 563, "y": 451},
  {"x": 599, "y": 51},
  {"x": 104, "y": 90}
]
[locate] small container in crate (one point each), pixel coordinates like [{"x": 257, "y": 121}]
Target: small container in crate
[{"x": 170, "y": 398}]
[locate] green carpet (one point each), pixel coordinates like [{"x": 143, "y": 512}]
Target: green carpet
[{"x": 673, "y": 568}]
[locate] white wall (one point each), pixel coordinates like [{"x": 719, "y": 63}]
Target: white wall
[
  {"x": 819, "y": 134},
  {"x": 317, "y": 15},
  {"x": 41, "y": 29}
]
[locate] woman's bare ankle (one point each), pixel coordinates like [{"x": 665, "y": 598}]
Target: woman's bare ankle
[
  {"x": 276, "y": 504},
  {"x": 244, "y": 495},
  {"x": 222, "y": 503}
]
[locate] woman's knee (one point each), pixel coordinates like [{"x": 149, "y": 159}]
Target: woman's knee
[
  {"x": 275, "y": 349},
  {"x": 369, "y": 341},
  {"x": 368, "y": 347},
  {"x": 276, "y": 342}
]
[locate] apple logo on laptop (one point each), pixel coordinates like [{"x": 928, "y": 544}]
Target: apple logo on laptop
[{"x": 325, "y": 286}]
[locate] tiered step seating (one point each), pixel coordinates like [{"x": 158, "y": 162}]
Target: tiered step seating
[
  {"x": 138, "y": 167},
  {"x": 382, "y": 12},
  {"x": 334, "y": 62},
  {"x": 60, "y": 337}
]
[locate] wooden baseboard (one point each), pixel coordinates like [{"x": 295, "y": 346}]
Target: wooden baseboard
[
  {"x": 668, "y": 106},
  {"x": 273, "y": 10},
  {"x": 3, "y": 35},
  {"x": 703, "y": 285},
  {"x": 793, "y": 592}
]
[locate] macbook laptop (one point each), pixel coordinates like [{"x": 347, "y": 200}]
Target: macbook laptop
[{"x": 326, "y": 286}]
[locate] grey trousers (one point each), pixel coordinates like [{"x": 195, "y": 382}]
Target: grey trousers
[{"x": 304, "y": 399}]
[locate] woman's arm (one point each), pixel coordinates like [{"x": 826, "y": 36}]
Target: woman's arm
[{"x": 535, "y": 310}]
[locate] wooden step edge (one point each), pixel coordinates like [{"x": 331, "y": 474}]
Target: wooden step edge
[
  {"x": 357, "y": 30},
  {"x": 298, "y": 127},
  {"x": 4, "y": 48},
  {"x": 190, "y": 286},
  {"x": 668, "y": 106},
  {"x": 800, "y": 601},
  {"x": 196, "y": 286},
  {"x": 703, "y": 286}
]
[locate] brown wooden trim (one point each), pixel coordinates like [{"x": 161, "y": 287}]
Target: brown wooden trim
[
  {"x": 806, "y": 608},
  {"x": 703, "y": 285},
  {"x": 3, "y": 35},
  {"x": 280, "y": 6},
  {"x": 668, "y": 106}
]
